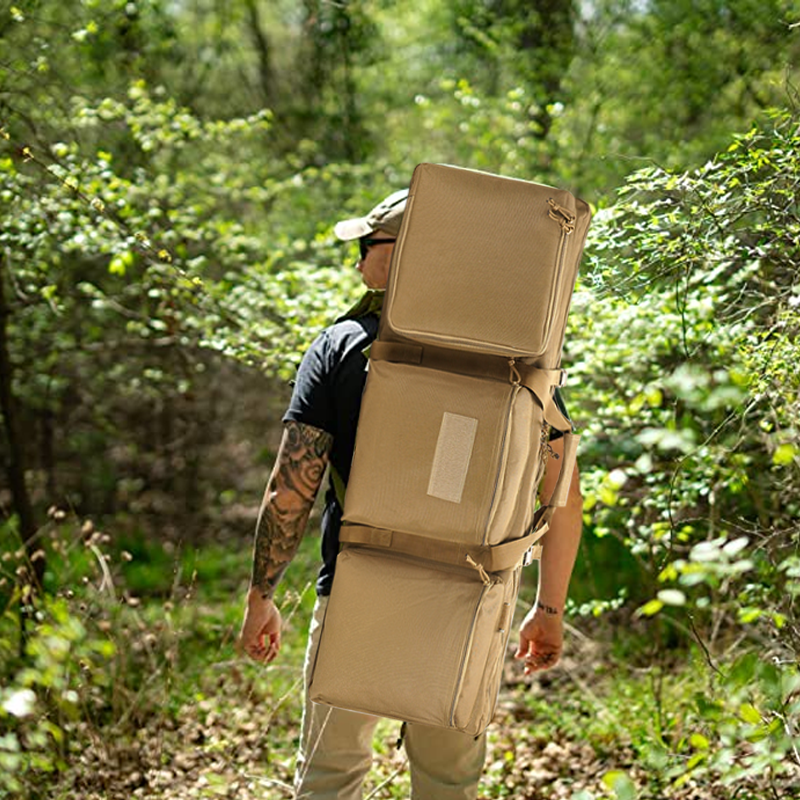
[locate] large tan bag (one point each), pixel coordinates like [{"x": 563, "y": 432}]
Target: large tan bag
[{"x": 439, "y": 512}]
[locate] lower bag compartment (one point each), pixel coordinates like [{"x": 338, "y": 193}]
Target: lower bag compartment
[{"x": 414, "y": 640}]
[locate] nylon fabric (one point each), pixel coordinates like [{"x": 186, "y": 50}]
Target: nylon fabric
[
  {"x": 540, "y": 381},
  {"x": 496, "y": 558},
  {"x": 428, "y": 633},
  {"x": 497, "y": 498},
  {"x": 440, "y": 506},
  {"x": 336, "y": 748},
  {"x": 500, "y": 293}
]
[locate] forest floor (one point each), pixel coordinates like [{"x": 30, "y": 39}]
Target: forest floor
[
  {"x": 237, "y": 740},
  {"x": 193, "y": 719}
]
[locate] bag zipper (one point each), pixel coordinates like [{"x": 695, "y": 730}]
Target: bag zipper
[
  {"x": 506, "y": 635},
  {"x": 501, "y": 465},
  {"x": 468, "y": 649},
  {"x": 566, "y": 221}
]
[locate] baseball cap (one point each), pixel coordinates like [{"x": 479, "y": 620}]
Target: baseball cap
[{"x": 386, "y": 217}]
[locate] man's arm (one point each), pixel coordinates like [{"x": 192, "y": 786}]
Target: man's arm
[
  {"x": 541, "y": 632},
  {"x": 288, "y": 499}
]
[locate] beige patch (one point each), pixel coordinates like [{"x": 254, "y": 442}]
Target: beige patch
[{"x": 451, "y": 459}]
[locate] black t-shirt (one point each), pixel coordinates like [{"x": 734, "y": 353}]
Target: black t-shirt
[{"x": 327, "y": 395}]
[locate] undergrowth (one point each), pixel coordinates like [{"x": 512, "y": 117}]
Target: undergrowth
[{"x": 121, "y": 679}]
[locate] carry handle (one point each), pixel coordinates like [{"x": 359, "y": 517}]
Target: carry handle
[{"x": 561, "y": 491}]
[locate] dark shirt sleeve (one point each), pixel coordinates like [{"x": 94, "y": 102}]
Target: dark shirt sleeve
[{"x": 312, "y": 398}]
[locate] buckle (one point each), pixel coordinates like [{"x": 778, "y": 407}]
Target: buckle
[
  {"x": 563, "y": 379},
  {"x": 527, "y": 558}
]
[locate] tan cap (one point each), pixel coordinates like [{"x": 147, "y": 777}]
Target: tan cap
[{"x": 386, "y": 216}]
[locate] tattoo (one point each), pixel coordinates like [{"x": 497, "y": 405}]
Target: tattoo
[
  {"x": 552, "y": 610},
  {"x": 288, "y": 499}
]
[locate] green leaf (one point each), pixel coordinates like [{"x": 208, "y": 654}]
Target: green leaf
[
  {"x": 785, "y": 454},
  {"x": 120, "y": 263},
  {"x": 699, "y": 742},
  {"x": 696, "y": 759},
  {"x": 749, "y": 614},
  {"x": 622, "y": 786},
  {"x": 650, "y": 608},
  {"x": 749, "y": 713}
]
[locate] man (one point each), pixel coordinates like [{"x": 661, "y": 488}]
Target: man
[{"x": 336, "y": 745}]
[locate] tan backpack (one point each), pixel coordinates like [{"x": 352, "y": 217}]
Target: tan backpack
[{"x": 440, "y": 511}]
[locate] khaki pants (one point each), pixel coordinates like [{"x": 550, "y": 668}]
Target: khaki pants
[{"x": 336, "y": 749}]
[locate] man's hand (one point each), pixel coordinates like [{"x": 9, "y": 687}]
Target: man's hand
[
  {"x": 541, "y": 639},
  {"x": 260, "y": 637}
]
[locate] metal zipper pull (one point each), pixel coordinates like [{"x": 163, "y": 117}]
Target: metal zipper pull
[
  {"x": 485, "y": 577},
  {"x": 564, "y": 217}
]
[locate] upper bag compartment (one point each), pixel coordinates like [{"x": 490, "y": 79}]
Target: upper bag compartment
[{"x": 484, "y": 263}]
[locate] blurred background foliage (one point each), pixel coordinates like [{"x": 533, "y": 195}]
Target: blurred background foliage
[{"x": 170, "y": 173}]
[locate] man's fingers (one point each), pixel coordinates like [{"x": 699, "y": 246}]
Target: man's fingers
[
  {"x": 259, "y": 649},
  {"x": 274, "y": 646},
  {"x": 535, "y": 662}
]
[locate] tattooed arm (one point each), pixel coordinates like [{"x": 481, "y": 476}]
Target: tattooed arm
[
  {"x": 542, "y": 630},
  {"x": 288, "y": 498}
]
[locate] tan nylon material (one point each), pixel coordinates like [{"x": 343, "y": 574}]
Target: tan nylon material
[
  {"x": 469, "y": 291},
  {"x": 370, "y": 667},
  {"x": 484, "y": 684},
  {"x": 498, "y": 491},
  {"x": 391, "y": 468},
  {"x": 512, "y": 507},
  {"x": 497, "y": 558},
  {"x": 561, "y": 490},
  {"x": 483, "y": 272},
  {"x": 484, "y": 636},
  {"x": 539, "y": 381}
]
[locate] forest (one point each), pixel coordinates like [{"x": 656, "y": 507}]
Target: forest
[{"x": 170, "y": 175}]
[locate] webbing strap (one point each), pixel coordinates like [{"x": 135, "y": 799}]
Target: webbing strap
[
  {"x": 493, "y": 558},
  {"x": 483, "y": 365},
  {"x": 558, "y": 499}
]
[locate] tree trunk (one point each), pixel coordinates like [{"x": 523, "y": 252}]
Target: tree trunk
[
  {"x": 16, "y": 456},
  {"x": 263, "y": 48}
]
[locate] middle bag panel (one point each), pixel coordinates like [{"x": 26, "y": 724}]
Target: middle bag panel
[{"x": 446, "y": 456}]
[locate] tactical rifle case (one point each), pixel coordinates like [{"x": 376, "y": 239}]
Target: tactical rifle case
[{"x": 440, "y": 511}]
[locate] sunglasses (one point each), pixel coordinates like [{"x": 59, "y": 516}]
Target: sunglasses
[{"x": 365, "y": 244}]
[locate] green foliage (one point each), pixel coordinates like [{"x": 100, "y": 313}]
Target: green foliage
[
  {"x": 169, "y": 178},
  {"x": 64, "y": 676},
  {"x": 90, "y": 664},
  {"x": 684, "y": 342}
]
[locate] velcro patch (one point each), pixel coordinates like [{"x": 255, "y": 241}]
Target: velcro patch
[{"x": 452, "y": 456}]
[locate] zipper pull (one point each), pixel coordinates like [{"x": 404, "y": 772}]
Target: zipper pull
[
  {"x": 514, "y": 377},
  {"x": 485, "y": 577},
  {"x": 564, "y": 217},
  {"x": 505, "y": 617}
]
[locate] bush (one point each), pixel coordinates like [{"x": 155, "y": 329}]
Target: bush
[{"x": 684, "y": 343}]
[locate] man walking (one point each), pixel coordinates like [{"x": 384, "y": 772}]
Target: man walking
[{"x": 335, "y": 751}]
